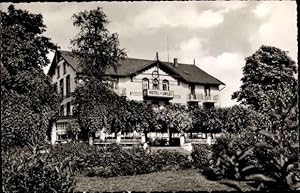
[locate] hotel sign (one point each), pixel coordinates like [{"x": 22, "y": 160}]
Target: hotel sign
[{"x": 158, "y": 93}]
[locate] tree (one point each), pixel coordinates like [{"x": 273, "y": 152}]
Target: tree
[
  {"x": 29, "y": 102},
  {"x": 95, "y": 103},
  {"x": 268, "y": 83},
  {"x": 97, "y": 49},
  {"x": 206, "y": 120},
  {"x": 174, "y": 119}
]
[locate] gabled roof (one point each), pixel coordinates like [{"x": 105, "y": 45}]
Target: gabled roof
[{"x": 131, "y": 66}]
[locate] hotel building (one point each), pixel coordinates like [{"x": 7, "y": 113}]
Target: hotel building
[{"x": 151, "y": 81}]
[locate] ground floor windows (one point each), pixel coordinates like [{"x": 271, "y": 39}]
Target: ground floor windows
[{"x": 208, "y": 105}]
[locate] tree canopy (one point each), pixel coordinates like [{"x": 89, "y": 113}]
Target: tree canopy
[
  {"x": 268, "y": 82},
  {"x": 29, "y": 102},
  {"x": 97, "y": 49}
]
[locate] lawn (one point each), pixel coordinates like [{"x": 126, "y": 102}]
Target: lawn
[{"x": 181, "y": 180}]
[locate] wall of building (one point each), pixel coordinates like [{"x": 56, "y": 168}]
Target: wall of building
[
  {"x": 134, "y": 89},
  {"x": 56, "y": 80}
]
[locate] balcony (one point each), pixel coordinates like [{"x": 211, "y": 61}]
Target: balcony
[
  {"x": 212, "y": 98},
  {"x": 161, "y": 94},
  {"x": 202, "y": 98},
  {"x": 195, "y": 97}
]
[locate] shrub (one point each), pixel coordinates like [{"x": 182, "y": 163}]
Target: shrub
[
  {"x": 113, "y": 160},
  {"x": 201, "y": 155},
  {"x": 26, "y": 171},
  {"x": 230, "y": 149}
]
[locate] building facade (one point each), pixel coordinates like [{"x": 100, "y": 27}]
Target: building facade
[{"x": 150, "y": 81}]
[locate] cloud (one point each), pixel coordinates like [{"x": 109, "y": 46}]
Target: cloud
[
  {"x": 279, "y": 28},
  {"x": 226, "y": 66},
  {"x": 170, "y": 15}
]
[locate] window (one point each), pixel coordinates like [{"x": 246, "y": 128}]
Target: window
[
  {"x": 57, "y": 71},
  {"x": 192, "y": 89},
  {"x": 68, "y": 108},
  {"x": 155, "y": 84},
  {"x": 145, "y": 83},
  {"x": 61, "y": 111},
  {"x": 178, "y": 82},
  {"x": 207, "y": 90},
  {"x": 65, "y": 67},
  {"x": 61, "y": 87},
  {"x": 68, "y": 87},
  {"x": 165, "y": 85},
  {"x": 208, "y": 105}
]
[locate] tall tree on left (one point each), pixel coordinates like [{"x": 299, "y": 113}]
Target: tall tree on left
[{"x": 29, "y": 102}]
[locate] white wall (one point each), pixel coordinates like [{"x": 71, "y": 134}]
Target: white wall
[
  {"x": 134, "y": 88},
  {"x": 69, "y": 71}
]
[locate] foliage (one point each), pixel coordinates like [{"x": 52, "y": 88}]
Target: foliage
[
  {"x": 238, "y": 117},
  {"x": 73, "y": 129},
  {"x": 29, "y": 102},
  {"x": 229, "y": 119},
  {"x": 97, "y": 49},
  {"x": 277, "y": 163},
  {"x": 132, "y": 115},
  {"x": 92, "y": 109},
  {"x": 268, "y": 81},
  {"x": 96, "y": 107},
  {"x": 113, "y": 160},
  {"x": 25, "y": 170},
  {"x": 201, "y": 155},
  {"x": 206, "y": 120},
  {"x": 174, "y": 118}
]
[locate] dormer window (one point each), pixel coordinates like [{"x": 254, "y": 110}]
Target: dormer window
[
  {"x": 165, "y": 85},
  {"x": 155, "y": 84},
  {"x": 145, "y": 83}
]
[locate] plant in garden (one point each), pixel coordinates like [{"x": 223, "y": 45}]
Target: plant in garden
[
  {"x": 278, "y": 165},
  {"x": 29, "y": 102},
  {"x": 113, "y": 160},
  {"x": 201, "y": 155},
  {"x": 30, "y": 170}
]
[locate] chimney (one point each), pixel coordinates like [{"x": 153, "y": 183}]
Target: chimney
[{"x": 175, "y": 62}]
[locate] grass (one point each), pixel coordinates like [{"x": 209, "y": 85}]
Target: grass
[{"x": 181, "y": 180}]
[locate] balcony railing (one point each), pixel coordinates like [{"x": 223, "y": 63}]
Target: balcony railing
[
  {"x": 164, "y": 94},
  {"x": 195, "y": 97},
  {"x": 202, "y": 98}
]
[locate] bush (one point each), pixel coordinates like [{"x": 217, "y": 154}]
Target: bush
[
  {"x": 26, "y": 171},
  {"x": 113, "y": 160},
  {"x": 201, "y": 156},
  {"x": 228, "y": 150}
]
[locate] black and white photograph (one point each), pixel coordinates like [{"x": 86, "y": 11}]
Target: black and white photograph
[{"x": 150, "y": 96}]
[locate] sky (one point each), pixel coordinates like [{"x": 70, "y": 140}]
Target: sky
[{"x": 218, "y": 35}]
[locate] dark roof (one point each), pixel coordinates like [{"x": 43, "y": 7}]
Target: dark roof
[{"x": 129, "y": 66}]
